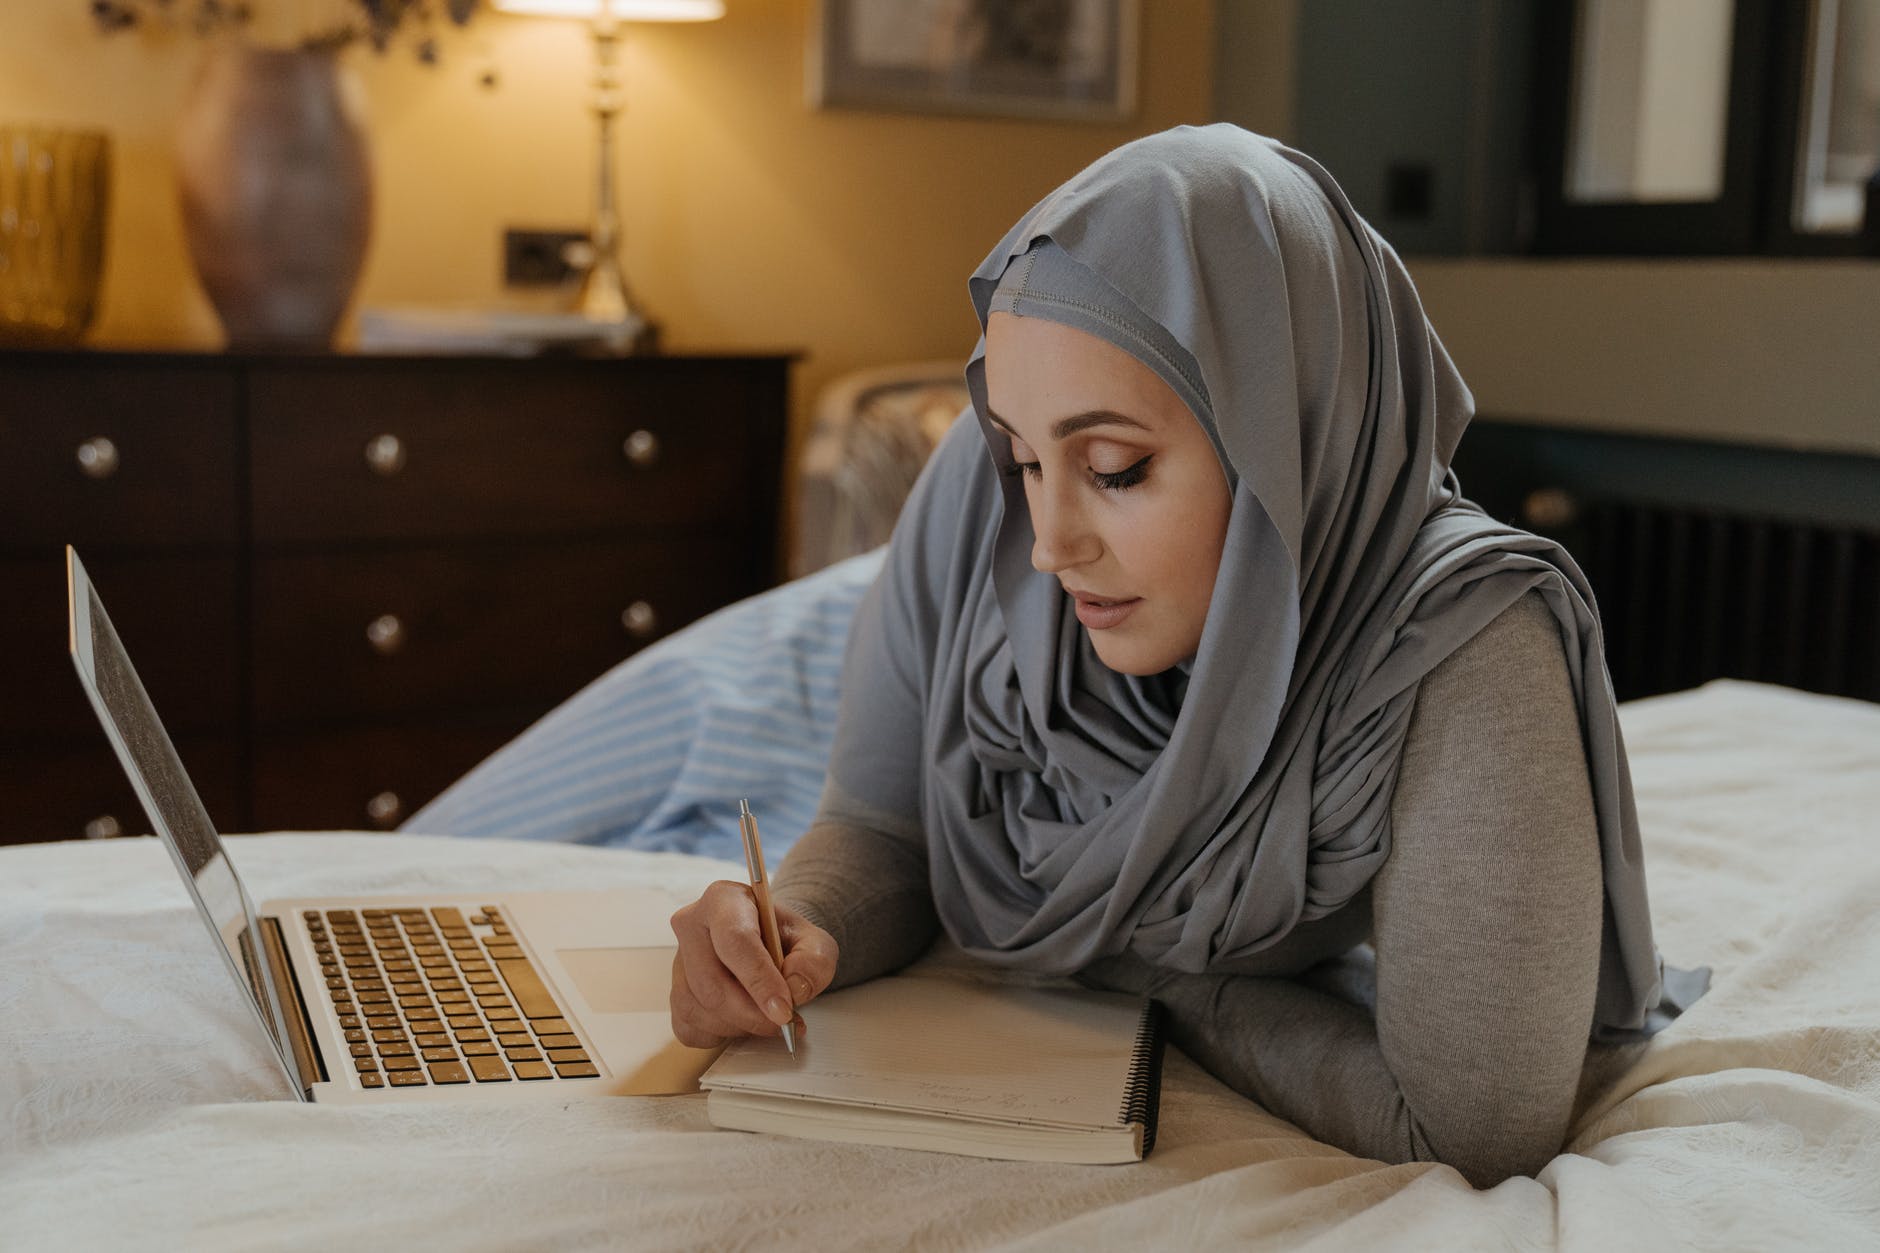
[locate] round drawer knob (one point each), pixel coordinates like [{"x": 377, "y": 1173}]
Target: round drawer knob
[
  {"x": 639, "y": 619},
  {"x": 641, "y": 449},
  {"x": 385, "y": 454},
  {"x": 385, "y": 809},
  {"x": 386, "y": 634},
  {"x": 103, "y": 827},
  {"x": 1549, "y": 509},
  {"x": 98, "y": 458}
]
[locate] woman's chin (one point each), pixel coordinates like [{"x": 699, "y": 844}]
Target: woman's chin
[{"x": 1138, "y": 657}]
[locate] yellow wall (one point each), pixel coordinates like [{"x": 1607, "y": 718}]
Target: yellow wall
[{"x": 751, "y": 220}]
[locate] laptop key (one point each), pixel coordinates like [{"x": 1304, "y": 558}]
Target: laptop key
[
  {"x": 449, "y": 1072},
  {"x": 533, "y": 1070},
  {"x": 440, "y": 1055},
  {"x": 394, "y": 1048},
  {"x": 531, "y": 994},
  {"x": 360, "y": 1049},
  {"x": 464, "y": 1020},
  {"x": 551, "y": 1026},
  {"x": 558, "y": 1041},
  {"x": 364, "y": 1064},
  {"x": 515, "y": 1040},
  {"x": 478, "y": 1048},
  {"x": 561, "y": 1057},
  {"x": 406, "y": 1078},
  {"x": 433, "y": 1041},
  {"x": 522, "y": 1055},
  {"x": 489, "y": 1069},
  {"x": 401, "y": 1063},
  {"x": 577, "y": 1070},
  {"x": 372, "y": 1079}
]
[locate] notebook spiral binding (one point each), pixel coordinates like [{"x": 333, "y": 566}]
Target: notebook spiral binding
[{"x": 1142, "y": 1097}]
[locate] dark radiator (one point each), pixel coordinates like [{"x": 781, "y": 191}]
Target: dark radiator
[{"x": 1691, "y": 594}]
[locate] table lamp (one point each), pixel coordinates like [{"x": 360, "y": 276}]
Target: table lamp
[{"x": 604, "y": 297}]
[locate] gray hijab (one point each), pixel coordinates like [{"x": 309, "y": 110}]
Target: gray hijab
[{"x": 1197, "y": 817}]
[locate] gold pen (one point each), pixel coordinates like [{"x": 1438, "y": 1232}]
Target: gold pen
[{"x": 760, "y": 888}]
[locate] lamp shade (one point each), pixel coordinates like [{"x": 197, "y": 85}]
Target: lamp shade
[{"x": 624, "y": 10}]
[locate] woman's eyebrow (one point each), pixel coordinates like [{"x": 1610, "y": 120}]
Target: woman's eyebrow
[{"x": 1066, "y": 427}]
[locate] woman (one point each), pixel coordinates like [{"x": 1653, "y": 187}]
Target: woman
[{"x": 1190, "y": 670}]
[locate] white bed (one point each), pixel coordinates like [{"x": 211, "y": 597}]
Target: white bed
[{"x": 139, "y": 1112}]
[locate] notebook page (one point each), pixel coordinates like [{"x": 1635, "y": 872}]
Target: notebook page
[{"x": 950, "y": 1046}]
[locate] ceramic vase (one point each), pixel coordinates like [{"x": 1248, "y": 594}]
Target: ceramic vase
[{"x": 276, "y": 186}]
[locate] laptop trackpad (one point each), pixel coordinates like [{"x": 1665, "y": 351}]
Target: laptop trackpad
[{"x": 621, "y": 980}]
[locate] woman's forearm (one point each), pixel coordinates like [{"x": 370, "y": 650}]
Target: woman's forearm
[{"x": 867, "y": 887}]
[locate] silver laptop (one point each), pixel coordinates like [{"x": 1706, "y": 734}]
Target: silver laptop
[{"x": 493, "y": 996}]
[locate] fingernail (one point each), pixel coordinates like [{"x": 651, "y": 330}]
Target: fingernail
[
  {"x": 778, "y": 1011},
  {"x": 799, "y": 988}
]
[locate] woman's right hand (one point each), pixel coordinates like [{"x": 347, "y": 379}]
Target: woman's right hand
[{"x": 724, "y": 983}]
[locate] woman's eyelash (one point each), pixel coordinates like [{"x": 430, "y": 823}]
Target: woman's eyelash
[
  {"x": 1123, "y": 479},
  {"x": 1120, "y": 481}
]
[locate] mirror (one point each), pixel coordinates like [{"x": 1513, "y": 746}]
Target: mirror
[
  {"x": 1650, "y": 101},
  {"x": 1839, "y": 140}
]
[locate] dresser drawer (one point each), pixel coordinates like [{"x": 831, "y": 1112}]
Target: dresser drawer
[
  {"x": 138, "y": 456},
  {"x": 177, "y": 616},
  {"x": 60, "y": 795},
  {"x": 422, "y": 632},
  {"x": 418, "y": 451},
  {"x": 368, "y": 778}
]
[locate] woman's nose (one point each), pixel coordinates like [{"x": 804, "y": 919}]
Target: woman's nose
[{"x": 1061, "y": 535}]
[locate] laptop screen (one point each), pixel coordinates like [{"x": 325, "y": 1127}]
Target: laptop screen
[{"x": 168, "y": 796}]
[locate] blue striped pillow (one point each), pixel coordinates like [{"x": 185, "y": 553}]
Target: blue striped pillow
[{"x": 655, "y": 753}]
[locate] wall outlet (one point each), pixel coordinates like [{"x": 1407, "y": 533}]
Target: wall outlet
[
  {"x": 1409, "y": 191},
  {"x": 540, "y": 258}
]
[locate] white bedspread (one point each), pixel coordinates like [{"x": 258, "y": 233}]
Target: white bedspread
[{"x": 140, "y": 1114}]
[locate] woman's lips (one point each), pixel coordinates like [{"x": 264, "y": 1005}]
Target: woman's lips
[{"x": 1098, "y": 615}]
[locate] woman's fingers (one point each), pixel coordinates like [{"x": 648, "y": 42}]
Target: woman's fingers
[
  {"x": 721, "y": 956},
  {"x": 686, "y": 1025},
  {"x": 724, "y": 981},
  {"x": 809, "y": 955},
  {"x": 740, "y": 945}
]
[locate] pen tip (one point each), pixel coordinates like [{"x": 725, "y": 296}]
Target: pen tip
[
  {"x": 789, "y": 1038},
  {"x": 744, "y": 807}
]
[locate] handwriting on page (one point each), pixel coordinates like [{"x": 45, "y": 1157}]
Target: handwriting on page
[{"x": 950, "y": 1046}]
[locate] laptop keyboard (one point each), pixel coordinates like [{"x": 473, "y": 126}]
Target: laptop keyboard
[{"x": 424, "y": 1001}]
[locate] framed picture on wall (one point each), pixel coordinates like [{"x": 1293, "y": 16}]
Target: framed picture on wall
[{"x": 1069, "y": 59}]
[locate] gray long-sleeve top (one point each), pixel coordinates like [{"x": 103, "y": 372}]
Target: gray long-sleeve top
[{"x": 1465, "y": 1043}]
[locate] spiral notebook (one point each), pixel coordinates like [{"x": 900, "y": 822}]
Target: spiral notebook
[{"x": 955, "y": 1065}]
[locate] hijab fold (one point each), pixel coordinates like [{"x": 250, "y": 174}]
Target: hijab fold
[{"x": 1197, "y": 818}]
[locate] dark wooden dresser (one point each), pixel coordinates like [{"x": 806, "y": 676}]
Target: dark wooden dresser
[{"x": 344, "y": 579}]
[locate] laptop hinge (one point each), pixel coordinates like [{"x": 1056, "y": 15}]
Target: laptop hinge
[{"x": 306, "y": 1051}]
